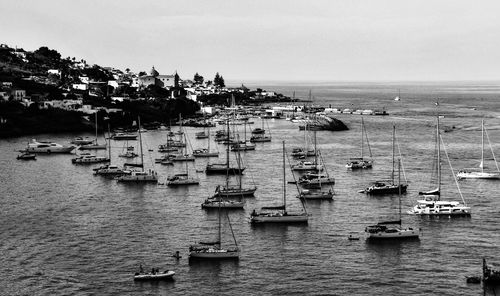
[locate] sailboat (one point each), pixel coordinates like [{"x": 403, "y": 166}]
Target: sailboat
[
  {"x": 392, "y": 229},
  {"x": 140, "y": 176},
  {"x": 94, "y": 145},
  {"x": 205, "y": 152},
  {"x": 110, "y": 170},
  {"x": 308, "y": 165},
  {"x": 242, "y": 146},
  {"x": 316, "y": 182},
  {"x": 470, "y": 174},
  {"x": 215, "y": 250},
  {"x": 224, "y": 168},
  {"x": 398, "y": 97},
  {"x": 361, "y": 162},
  {"x": 381, "y": 187},
  {"x": 302, "y": 153},
  {"x": 259, "y": 134},
  {"x": 279, "y": 214},
  {"x": 183, "y": 156},
  {"x": 432, "y": 205}
]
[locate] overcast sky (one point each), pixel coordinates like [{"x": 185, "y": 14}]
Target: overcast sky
[{"x": 268, "y": 40}]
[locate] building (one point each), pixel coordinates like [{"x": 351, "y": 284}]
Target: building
[
  {"x": 154, "y": 78},
  {"x": 19, "y": 94}
]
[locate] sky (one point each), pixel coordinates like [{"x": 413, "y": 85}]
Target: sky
[{"x": 273, "y": 40}]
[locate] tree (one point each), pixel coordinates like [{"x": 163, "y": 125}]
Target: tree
[
  {"x": 142, "y": 73},
  {"x": 219, "y": 80},
  {"x": 198, "y": 79},
  {"x": 50, "y": 54}
]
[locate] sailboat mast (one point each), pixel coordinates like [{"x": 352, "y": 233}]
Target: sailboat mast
[
  {"x": 399, "y": 188},
  {"x": 96, "y": 127},
  {"x": 315, "y": 152},
  {"x": 140, "y": 142},
  {"x": 284, "y": 182},
  {"x": 482, "y": 145},
  {"x": 393, "y": 136},
  {"x": 109, "y": 144},
  {"x": 362, "y": 134},
  {"x": 438, "y": 155}
]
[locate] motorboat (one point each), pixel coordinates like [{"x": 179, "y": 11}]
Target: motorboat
[
  {"x": 82, "y": 141},
  {"x": 204, "y": 153},
  {"x": 111, "y": 170},
  {"x": 307, "y": 166},
  {"x": 154, "y": 276},
  {"x": 47, "y": 147},
  {"x": 139, "y": 177},
  {"x": 182, "y": 180},
  {"x": 88, "y": 158},
  {"x": 26, "y": 156}
]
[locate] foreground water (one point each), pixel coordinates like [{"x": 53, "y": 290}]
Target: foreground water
[{"x": 68, "y": 232}]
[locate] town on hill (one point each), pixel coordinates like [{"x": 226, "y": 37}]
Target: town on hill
[{"x": 42, "y": 92}]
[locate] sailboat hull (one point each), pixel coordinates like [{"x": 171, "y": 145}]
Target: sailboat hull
[
  {"x": 261, "y": 219},
  {"x": 92, "y": 147},
  {"x": 214, "y": 255},
  {"x": 477, "y": 175},
  {"x": 400, "y": 234}
]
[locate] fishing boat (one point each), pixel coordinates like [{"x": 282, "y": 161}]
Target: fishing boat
[
  {"x": 392, "y": 229},
  {"x": 26, "y": 156},
  {"x": 490, "y": 275},
  {"x": 360, "y": 162},
  {"x": 142, "y": 176},
  {"x": 384, "y": 187},
  {"x": 94, "y": 145},
  {"x": 482, "y": 174},
  {"x": 431, "y": 205},
  {"x": 215, "y": 250},
  {"x": 279, "y": 214},
  {"x": 47, "y": 147}
]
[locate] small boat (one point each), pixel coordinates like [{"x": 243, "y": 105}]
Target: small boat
[
  {"x": 258, "y": 131},
  {"x": 204, "y": 153},
  {"x": 26, "y": 156},
  {"x": 182, "y": 180},
  {"x": 307, "y": 166},
  {"x": 87, "y": 158},
  {"x": 318, "y": 195},
  {"x": 221, "y": 169},
  {"x": 128, "y": 154},
  {"x": 82, "y": 141},
  {"x": 154, "y": 276},
  {"x": 47, "y": 147},
  {"x": 201, "y": 135},
  {"x": 242, "y": 147}
]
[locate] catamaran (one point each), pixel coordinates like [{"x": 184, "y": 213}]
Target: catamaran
[
  {"x": 432, "y": 205},
  {"x": 361, "y": 162},
  {"x": 279, "y": 214},
  {"x": 473, "y": 174}
]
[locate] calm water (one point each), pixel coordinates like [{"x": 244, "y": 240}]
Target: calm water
[{"x": 67, "y": 232}]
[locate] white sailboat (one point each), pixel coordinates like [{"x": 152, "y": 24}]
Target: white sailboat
[
  {"x": 110, "y": 170},
  {"x": 141, "y": 176},
  {"x": 432, "y": 205},
  {"x": 215, "y": 250},
  {"x": 279, "y": 214},
  {"x": 482, "y": 174},
  {"x": 314, "y": 184},
  {"x": 392, "y": 229},
  {"x": 361, "y": 162},
  {"x": 398, "y": 97},
  {"x": 205, "y": 152},
  {"x": 309, "y": 165}
]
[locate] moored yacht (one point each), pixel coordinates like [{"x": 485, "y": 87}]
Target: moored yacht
[
  {"x": 47, "y": 147},
  {"x": 87, "y": 158}
]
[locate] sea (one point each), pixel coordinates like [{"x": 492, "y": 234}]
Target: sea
[{"x": 65, "y": 231}]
